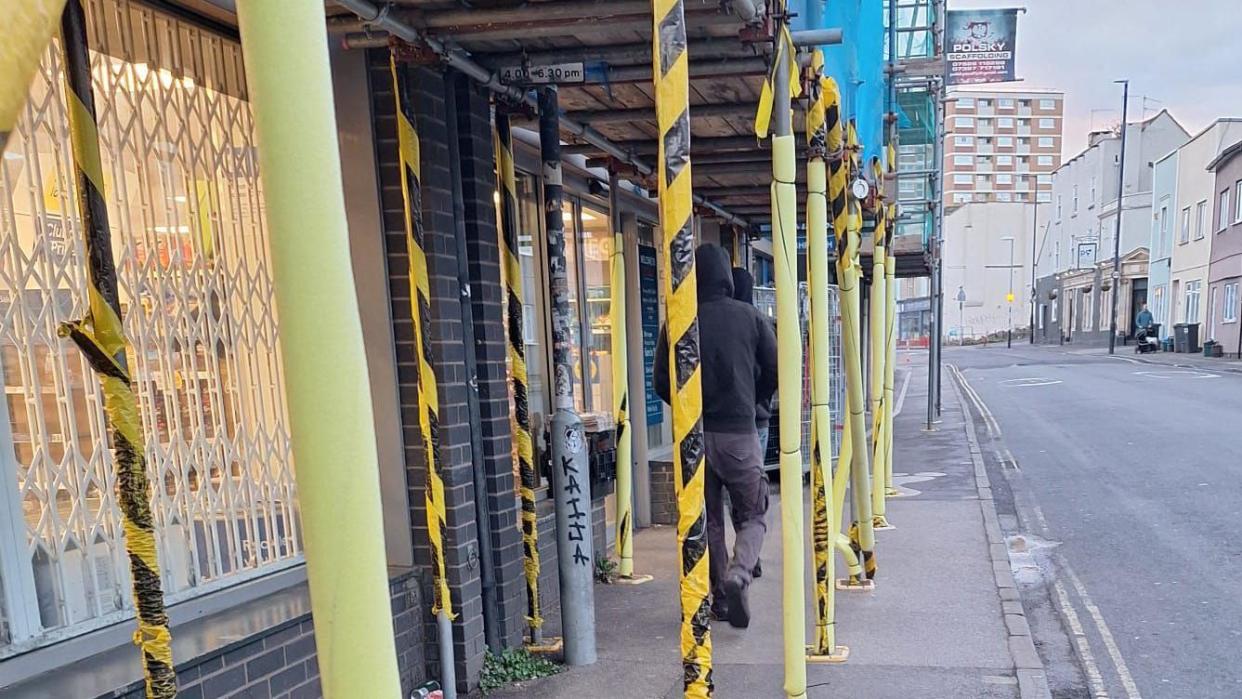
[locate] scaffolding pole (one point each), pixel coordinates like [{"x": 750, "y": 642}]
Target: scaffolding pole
[
  {"x": 824, "y": 523},
  {"x": 329, "y": 400},
  {"x": 28, "y": 28},
  {"x": 527, "y": 480},
  {"x": 877, "y": 325},
  {"x": 670, "y": 72},
  {"x": 101, "y": 338},
  {"x": 775, "y": 111},
  {"x": 890, "y": 344},
  {"x": 849, "y": 272}
]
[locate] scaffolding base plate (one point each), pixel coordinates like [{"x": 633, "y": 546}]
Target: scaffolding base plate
[
  {"x": 634, "y": 579},
  {"x": 881, "y": 524},
  {"x": 849, "y": 585},
  {"x": 894, "y": 493},
  {"x": 838, "y": 655},
  {"x": 550, "y": 646}
]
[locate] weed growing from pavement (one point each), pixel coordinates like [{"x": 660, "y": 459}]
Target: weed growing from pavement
[
  {"x": 605, "y": 571},
  {"x": 513, "y": 665}
]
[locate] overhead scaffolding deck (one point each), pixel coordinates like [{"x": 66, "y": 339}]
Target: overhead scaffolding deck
[{"x": 607, "y": 47}]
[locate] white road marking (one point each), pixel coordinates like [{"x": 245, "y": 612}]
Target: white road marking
[
  {"x": 901, "y": 397},
  {"x": 1178, "y": 374},
  {"x": 1030, "y": 381},
  {"x": 1094, "y": 677},
  {"x": 1127, "y": 680}
]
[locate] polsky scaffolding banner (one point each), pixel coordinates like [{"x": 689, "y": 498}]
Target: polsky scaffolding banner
[{"x": 980, "y": 46}]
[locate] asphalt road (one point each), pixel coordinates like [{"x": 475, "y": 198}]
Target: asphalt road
[{"x": 1122, "y": 483}]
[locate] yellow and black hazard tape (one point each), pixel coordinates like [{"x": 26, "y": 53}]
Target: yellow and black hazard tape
[
  {"x": 420, "y": 309},
  {"x": 517, "y": 363},
  {"x": 101, "y": 338},
  {"x": 670, "y": 67}
]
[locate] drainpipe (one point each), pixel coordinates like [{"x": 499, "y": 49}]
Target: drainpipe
[
  {"x": 380, "y": 18},
  {"x": 482, "y": 509}
]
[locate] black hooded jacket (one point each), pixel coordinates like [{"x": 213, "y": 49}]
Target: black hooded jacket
[
  {"x": 737, "y": 349},
  {"x": 744, "y": 291}
]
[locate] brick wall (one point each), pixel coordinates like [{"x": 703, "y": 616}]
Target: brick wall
[
  {"x": 281, "y": 663},
  {"x": 429, "y": 89},
  {"x": 663, "y": 491}
]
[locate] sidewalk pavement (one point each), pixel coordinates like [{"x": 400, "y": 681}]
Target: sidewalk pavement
[{"x": 944, "y": 620}]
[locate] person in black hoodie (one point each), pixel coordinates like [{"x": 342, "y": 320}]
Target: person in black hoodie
[
  {"x": 737, "y": 354},
  {"x": 744, "y": 291}
]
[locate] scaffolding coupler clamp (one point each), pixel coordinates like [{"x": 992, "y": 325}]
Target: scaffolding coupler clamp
[{"x": 417, "y": 53}]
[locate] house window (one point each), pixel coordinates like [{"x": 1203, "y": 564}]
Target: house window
[
  {"x": 1183, "y": 235},
  {"x": 965, "y": 102},
  {"x": 1044, "y": 160},
  {"x": 1192, "y": 301},
  {"x": 1046, "y": 142},
  {"x": 1004, "y": 160},
  {"x": 1224, "y": 211},
  {"x": 1004, "y": 178},
  {"x": 194, "y": 277},
  {"x": 1201, "y": 219},
  {"x": 962, "y": 179},
  {"x": 1046, "y": 123},
  {"x": 1047, "y": 104},
  {"x": 1044, "y": 179},
  {"x": 964, "y": 141},
  {"x": 1237, "y": 202},
  {"x": 1006, "y": 103},
  {"x": 1230, "y": 311},
  {"x": 1004, "y": 196},
  {"x": 963, "y": 160},
  {"x": 965, "y": 122},
  {"x": 1004, "y": 141},
  {"x": 1004, "y": 123},
  {"x": 985, "y": 103}
]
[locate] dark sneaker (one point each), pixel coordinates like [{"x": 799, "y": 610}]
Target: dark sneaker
[
  {"x": 758, "y": 571},
  {"x": 739, "y": 604},
  {"x": 720, "y": 612}
]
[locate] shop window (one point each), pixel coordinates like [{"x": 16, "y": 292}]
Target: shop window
[
  {"x": 185, "y": 208},
  {"x": 597, "y": 318}
]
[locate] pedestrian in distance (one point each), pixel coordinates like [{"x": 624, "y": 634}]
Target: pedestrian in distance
[
  {"x": 744, "y": 291},
  {"x": 737, "y": 361},
  {"x": 1144, "y": 318}
]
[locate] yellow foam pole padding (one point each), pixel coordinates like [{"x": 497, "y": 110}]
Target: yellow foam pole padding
[
  {"x": 877, "y": 324},
  {"x": 28, "y": 27},
  {"x": 670, "y": 70},
  {"x": 824, "y": 524},
  {"x": 620, "y": 407},
  {"x": 527, "y": 480},
  {"x": 890, "y": 366},
  {"x": 101, "y": 338},
  {"x": 331, "y": 422}
]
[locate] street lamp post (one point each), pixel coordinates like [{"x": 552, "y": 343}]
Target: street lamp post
[
  {"x": 1034, "y": 260},
  {"x": 1121, "y": 187},
  {"x": 1009, "y": 297}
]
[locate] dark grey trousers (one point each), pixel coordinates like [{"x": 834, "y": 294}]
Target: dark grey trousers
[{"x": 734, "y": 463}]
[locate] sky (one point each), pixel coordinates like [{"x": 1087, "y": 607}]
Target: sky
[{"x": 1180, "y": 55}]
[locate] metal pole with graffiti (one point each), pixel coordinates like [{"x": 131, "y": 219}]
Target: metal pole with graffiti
[
  {"x": 877, "y": 325},
  {"x": 824, "y": 523},
  {"x": 775, "y": 112},
  {"x": 671, "y": 76},
  {"x": 849, "y": 276},
  {"x": 525, "y": 456},
  {"x": 101, "y": 338},
  {"x": 571, "y": 483},
  {"x": 428, "y": 389}
]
